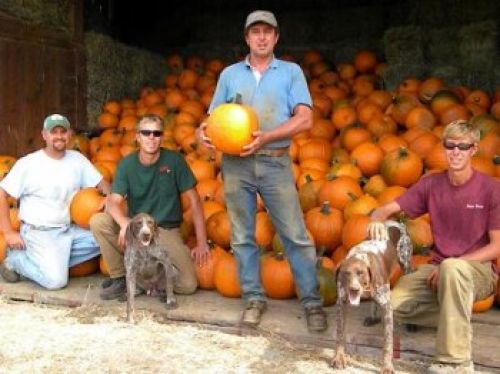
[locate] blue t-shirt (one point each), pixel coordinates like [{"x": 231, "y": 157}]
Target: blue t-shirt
[{"x": 281, "y": 88}]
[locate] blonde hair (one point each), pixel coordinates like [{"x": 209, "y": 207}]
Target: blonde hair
[
  {"x": 461, "y": 128},
  {"x": 150, "y": 118}
]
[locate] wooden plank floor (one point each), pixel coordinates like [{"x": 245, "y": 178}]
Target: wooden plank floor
[{"x": 284, "y": 317}]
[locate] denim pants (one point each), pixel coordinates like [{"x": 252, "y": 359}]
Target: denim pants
[
  {"x": 272, "y": 178},
  {"x": 49, "y": 252}
]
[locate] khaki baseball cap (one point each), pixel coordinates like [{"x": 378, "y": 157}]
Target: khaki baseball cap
[
  {"x": 55, "y": 120},
  {"x": 261, "y": 16}
]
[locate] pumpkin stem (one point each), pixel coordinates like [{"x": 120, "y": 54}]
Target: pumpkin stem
[
  {"x": 308, "y": 178},
  {"x": 280, "y": 256},
  {"x": 352, "y": 196},
  {"x": 325, "y": 207},
  {"x": 237, "y": 98}
]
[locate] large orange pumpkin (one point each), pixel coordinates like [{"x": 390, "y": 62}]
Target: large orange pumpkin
[
  {"x": 276, "y": 276},
  {"x": 325, "y": 224},
  {"x": 85, "y": 204},
  {"x": 205, "y": 272},
  {"x": 401, "y": 167},
  {"x": 85, "y": 268},
  {"x": 226, "y": 279},
  {"x": 230, "y": 127}
]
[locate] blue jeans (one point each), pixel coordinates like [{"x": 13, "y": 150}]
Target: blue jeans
[
  {"x": 272, "y": 178},
  {"x": 49, "y": 252}
]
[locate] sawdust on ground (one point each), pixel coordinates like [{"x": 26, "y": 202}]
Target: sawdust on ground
[{"x": 41, "y": 339}]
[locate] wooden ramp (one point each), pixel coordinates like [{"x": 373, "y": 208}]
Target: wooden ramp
[{"x": 284, "y": 317}]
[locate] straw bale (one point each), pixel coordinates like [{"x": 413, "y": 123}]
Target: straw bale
[
  {"x": 115, "y": 71},
  {"x": 395, "y": 74},
  {"x": 478, "y": 45},
  {"x": 345, "y": 50},
  {"x": 404, "y": 45},
  {"x": 53, "y": 14},
  {"x": 480, "y": 79},
  {"x": 441, "y": 45},
  {"x": 451, "y": 74}
]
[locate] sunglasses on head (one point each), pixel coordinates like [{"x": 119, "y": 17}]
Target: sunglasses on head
[
  {"x": 461, "y": 146},
  {"x": 156, "y": 133}
]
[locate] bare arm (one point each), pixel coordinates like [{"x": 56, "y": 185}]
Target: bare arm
[
  {"x": 115, "y": 207},
  {"x": 385, "y": 211},
  {"x": 489, "y": 252},
  {"x": 300, "y": 121},
  {"x": 201, "y": 251},
  {"x": 12, "y": 237},
  {"x": 104, "y": 187}
]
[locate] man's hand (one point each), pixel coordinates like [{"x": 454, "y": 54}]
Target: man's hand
[
  {"x": 121, "y": 237},
  {"x": 258, "y": 142},
  {"x": 202, "y": 138},
  {"x": 200, "y": 254},
  {"x": 433, "y": 279},
  {"x": 13, "y": 240},
  {"x": 377, "y": 231}
]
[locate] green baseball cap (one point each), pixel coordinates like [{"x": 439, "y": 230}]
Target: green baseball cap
[{"x": 55, "y": 120}]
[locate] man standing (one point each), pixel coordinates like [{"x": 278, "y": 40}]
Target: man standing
[
  {"x": 464, "y": 206},
  {"x": 277, "y": 91},
  {"x": 44, "y": 183},
  {"x": 151, "y": 181}
]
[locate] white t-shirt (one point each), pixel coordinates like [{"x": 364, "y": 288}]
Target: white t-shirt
[{"x": 45, "y": 186}]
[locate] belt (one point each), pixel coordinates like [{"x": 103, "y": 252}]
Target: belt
[{"x": 275, "y": 152}]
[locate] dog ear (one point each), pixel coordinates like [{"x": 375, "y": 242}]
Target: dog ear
[
  {"x": 129, "y": 235},
  {"x": 394, "y": 235},
  {"x": 376, "y": 268}
]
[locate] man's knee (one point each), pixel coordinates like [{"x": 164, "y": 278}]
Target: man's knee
[
  {"x": 188, "y": 286},
  {"x": 99, "y": 220},
  {"x": 452, "y": 269},
  {"x": 52, "y": 283}
]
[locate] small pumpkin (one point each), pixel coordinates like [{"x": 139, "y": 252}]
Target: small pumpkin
[
  {"x": 85, "y": 268},
  {"x": 226, "y": 279},
  {"x": 276, "y": 275},
  {"x": 205, "y": 272}
]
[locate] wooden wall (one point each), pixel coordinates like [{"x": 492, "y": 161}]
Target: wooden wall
[{"x": 42, "y": 71}]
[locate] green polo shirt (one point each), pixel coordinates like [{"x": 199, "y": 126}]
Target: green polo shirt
[{"x": 154, "y": 189}]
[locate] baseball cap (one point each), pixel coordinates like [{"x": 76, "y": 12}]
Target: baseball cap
[
  {"x": 261, "y": 16},
  {"x": 55, "y": 120}
]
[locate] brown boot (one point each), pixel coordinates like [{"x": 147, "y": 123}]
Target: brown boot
[
  {"x": 316, "y": 318},
  {"x": 10, "y": 276},
  {"x": 253, "y": 312}
]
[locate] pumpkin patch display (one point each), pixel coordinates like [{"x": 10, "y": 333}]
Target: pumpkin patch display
[{"x": 230, "y": 126}]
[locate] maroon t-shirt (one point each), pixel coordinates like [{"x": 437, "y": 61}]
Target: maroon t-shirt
[{"x": 461, "y": 216}]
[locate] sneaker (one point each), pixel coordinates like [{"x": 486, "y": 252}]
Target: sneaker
[
  {"x": 8, "y": 275},
  {"x": 117, "y": 289},
  {"x": 449, "y": 368},
  {"x": 316, "y": 318},
  {"x": 253, "y": 312}
]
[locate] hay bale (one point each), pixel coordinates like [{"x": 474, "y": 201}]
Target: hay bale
[
  {"x": 441, "y": 45},
  {"x": 116, "y": 71},
  {"x": 49, "y": 13},
  {"x": 483, "y": 80},
  {"x": 395, "y": 74},
  {"x": 477, "y": 45},
  {"x": 451, "y": 75},
  {"x": 404, "y": 45},
  {"x": 345, "y": 50}
]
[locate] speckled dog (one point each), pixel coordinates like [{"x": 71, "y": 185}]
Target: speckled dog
[
  {"x": 147, "y": 263},
  {"x": 364, "y": 274}
]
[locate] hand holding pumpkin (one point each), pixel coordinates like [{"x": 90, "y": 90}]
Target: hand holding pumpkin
[
  {"x": 202, "y": 138},
  {"x": 377, "y": 231}
]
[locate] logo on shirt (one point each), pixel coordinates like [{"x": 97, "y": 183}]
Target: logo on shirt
[
  {"x": 474, "y": 206},
  {"x": 164, "y": 169}
]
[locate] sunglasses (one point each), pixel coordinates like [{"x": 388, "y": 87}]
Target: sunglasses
[
  {"x": 155, "y": 133},
  {"x": 461, "y": 146}
]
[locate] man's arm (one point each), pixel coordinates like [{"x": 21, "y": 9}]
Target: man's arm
[
  {"x": 489, "y": 252},
  {"x": 12, "y": 237},
  {"x": 115, "y": 207},
  {"x": 201, "y": 250},
  {"x": 104, "y": 187},
  {"x": 300, "y": 121}
]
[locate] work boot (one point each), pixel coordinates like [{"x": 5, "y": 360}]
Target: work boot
[
  {"x": 449, "y": 368},
  {"x": 8, "y": 275},
  {"x": 107, "y": 282},
  {"x": 316, "y": 318},
  {"x": 253, "y": 312},
  {"x": 117, "y": 289}
]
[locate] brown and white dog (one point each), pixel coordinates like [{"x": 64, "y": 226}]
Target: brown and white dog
[
  {"x": 147, "y": 263},
  {"x": 364, "y": 274}
]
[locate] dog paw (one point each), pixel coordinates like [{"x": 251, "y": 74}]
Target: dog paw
[
  {"x": 387, "y": 369},
  {"x": 340, "y": 361},
  {"x": 370, "y": 321},
  {"x": 171, "y": 304}
]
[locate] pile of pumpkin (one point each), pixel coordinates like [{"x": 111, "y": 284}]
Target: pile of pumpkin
[{"x": 366, "y": 147}]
